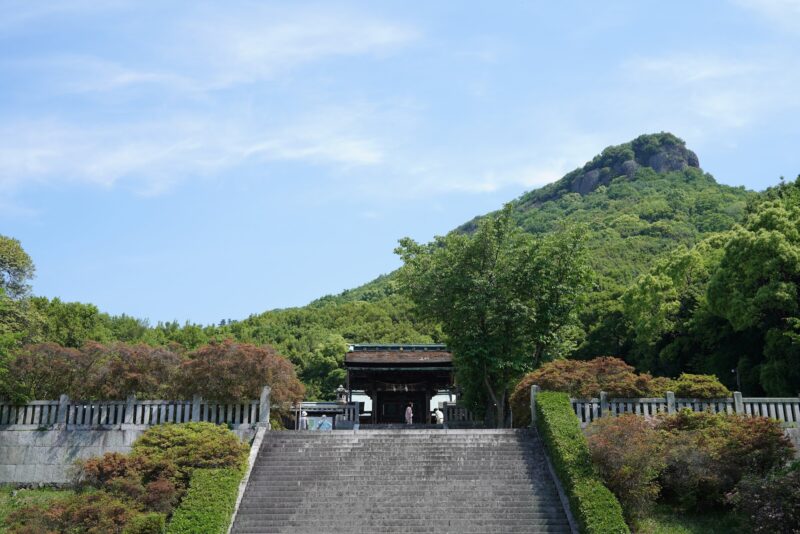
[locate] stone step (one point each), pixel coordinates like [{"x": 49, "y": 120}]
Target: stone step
[{"x": 410, "y": 481}]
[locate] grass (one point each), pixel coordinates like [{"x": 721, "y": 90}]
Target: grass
[
  {"x": 667, "y": 520},
  {"x": 11, "y": 500}
]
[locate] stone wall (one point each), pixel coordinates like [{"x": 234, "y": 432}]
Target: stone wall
[
  {"x": 46, "y": 456},
  {"x": 30, "y": 457}
]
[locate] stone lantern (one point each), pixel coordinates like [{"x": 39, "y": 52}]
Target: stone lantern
[{"x": 341, "y": 395}]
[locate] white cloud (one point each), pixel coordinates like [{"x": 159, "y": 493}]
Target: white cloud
[
  {"x": 233, "y": 47},
  {"x": 782, "y": 13},
  {"x": 153, "y": 156},
  {"x": 217, "y": 47}
]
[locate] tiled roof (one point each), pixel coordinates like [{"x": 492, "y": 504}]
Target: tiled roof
[{"x": 398, "y": 356}]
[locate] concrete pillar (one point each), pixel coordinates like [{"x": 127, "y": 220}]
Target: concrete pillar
[
  {"x": 534, "y": 391},
  {"x": 63, "y": 407},
  {"x": 197, "y": 400},
  {"x": 670, "y": 402},
  {"x": 130, "y": 408},
  {"x": 263, "y": 419},
  {"x": 738, "y": 403},
  {"x": 603, "y": 404}
]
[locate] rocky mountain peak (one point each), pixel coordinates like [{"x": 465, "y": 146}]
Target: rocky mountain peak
[{"x": 661, "y": 152}]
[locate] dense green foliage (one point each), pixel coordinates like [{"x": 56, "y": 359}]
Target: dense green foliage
[
  {"x": 208, "y": 504},
  {"x": 505, "y": 300},
  {"x": 191, "y": 446},
  {"x": 730, "y": 303},
  {"x": 595, "y": 508}
]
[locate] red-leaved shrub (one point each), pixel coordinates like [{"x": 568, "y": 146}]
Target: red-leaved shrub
[
  {"x": 232, "y": 371},
  {"x": 628, "y": 453}
]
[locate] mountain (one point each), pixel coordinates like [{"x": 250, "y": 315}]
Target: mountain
[{"x": 639, "y": 201}]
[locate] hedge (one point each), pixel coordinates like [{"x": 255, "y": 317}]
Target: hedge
[
  {"x": 595, "y": 508},
  {"x": 208, "y": 504}
]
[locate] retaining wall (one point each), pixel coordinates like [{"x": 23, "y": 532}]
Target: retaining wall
[
  {"x": 31, "y": 457},
  {"x": 41, "y": 440},
  {"x": 47, "y": 456}
]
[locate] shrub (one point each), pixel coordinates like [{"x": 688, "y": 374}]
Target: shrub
[
  {"x": 770, "y": 504},
  {"x": 98, "y": 471},
  {"x": 89, "y": 513},
  {"x": 150, "y": 483},
  {"x": 708, "y": 454},
  {"x": 587, "y": 378},
  {"x": 208, "y": 504},
  {"x": 191, "y": 445},
  {"x": 579, "y": 378},
  {"x": 659, "y": 386},
  {"x": 594, "y": 506},
  {"x": 755, "y": 445},
  {"x": 232, "y": 371},
  {"x": 141, "y": 370},
  {"x": 150, "y": 523},
  {"x": 46, "y": 370},
  {"x": 699, "y": 387},
  {"x": 627, "y": 451},
  {"x": 159, "y": 495}
]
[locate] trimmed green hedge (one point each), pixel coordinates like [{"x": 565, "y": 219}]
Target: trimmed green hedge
[
  {"x": 209, "y": 503},
  {"x": 595, "y": 508}
]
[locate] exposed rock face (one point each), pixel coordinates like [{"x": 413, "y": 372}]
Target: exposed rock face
[{"x": 661, "y": 152}]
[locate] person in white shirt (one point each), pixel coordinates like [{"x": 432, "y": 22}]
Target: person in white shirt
[
  {"x": 439, "y": 416},
  {"x": 409, "y": 414},
  {"x": 304, "y": 420}
]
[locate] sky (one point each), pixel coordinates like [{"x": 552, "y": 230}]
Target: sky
[{"x": 198, "y": 161}]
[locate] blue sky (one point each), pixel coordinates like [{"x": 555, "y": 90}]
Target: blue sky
[{"x": 200, "y": 161}]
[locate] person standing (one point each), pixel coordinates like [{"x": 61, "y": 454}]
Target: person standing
[
  {"x": 439, "y": 416},
  {"x": 409, "y": 414},
  {"x": 304, "y": 420}
]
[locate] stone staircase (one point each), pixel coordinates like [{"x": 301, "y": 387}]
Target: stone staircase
[{"x": 401, "y": 481}]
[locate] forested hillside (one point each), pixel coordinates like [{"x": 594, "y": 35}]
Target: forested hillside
[{"x": 658, "y": 231}]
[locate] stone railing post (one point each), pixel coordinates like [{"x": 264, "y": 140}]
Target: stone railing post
[
  {"x": 603, "y": 404},
  {"x": 534, "y": 391},
  {"x": 130, "y": 410},
  {"x": 670, "y": 402},
  {"x": 63, "y": 408},
  {"x": 738, "y": 403},
  {"x": 197, "y": 400},
  {"x": 263, "y": 419}
]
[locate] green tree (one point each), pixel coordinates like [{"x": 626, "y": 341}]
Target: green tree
[
  {"x": 16, "y": 268},
  {"x": 757, "y": 286},
  {"x": 504, "y": 299}
]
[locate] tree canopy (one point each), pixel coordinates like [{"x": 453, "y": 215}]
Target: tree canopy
[
  {"x": 16, "y": 268},
  {"x": 504, "y": 299}
]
